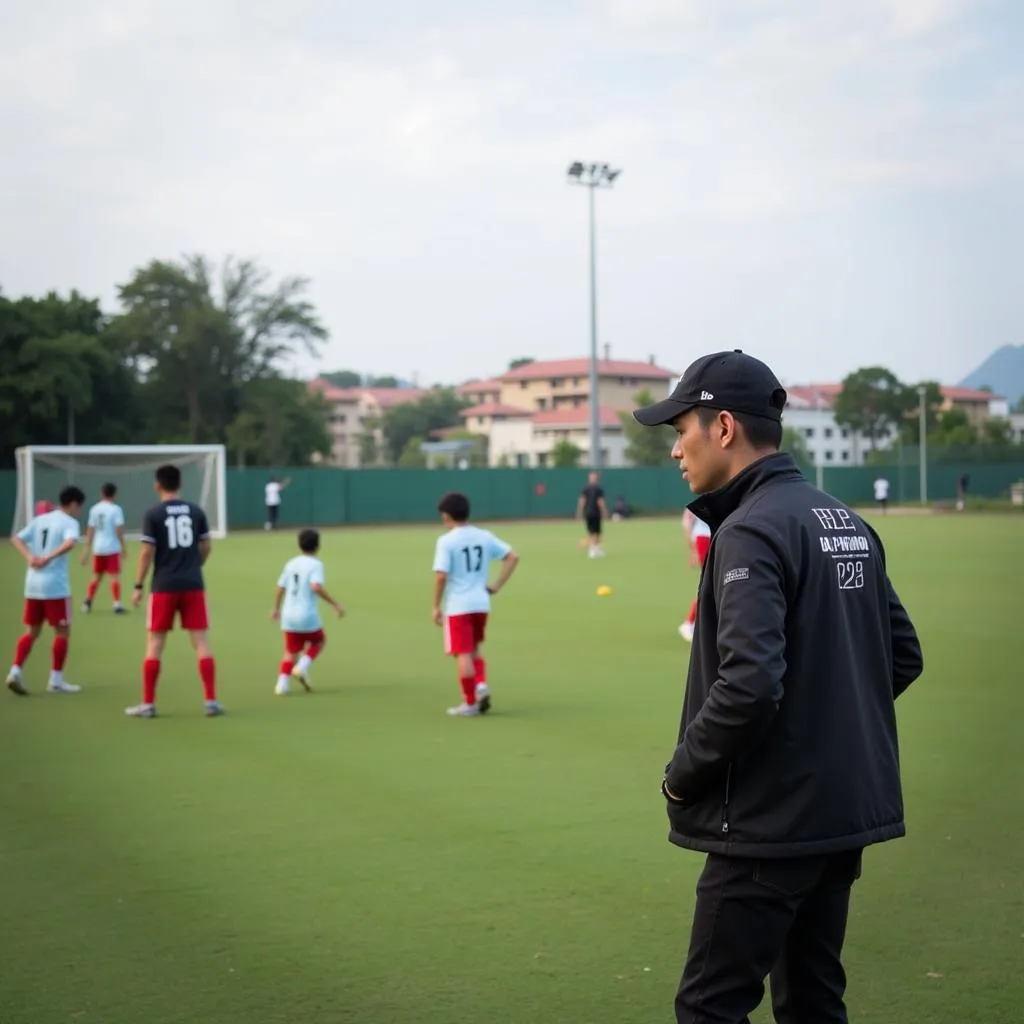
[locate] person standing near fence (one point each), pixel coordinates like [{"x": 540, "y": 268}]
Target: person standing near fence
[{"x": 272, "y": 500}]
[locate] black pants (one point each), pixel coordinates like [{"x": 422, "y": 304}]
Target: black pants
[
  {"x": 272, "y": 512},
  {"x": 786, "y": 918}
]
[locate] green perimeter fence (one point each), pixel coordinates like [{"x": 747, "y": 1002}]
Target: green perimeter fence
[{"x": 334, "y": 497}]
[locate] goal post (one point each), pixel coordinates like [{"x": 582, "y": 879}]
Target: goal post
[{"x": 44, "y": 469}]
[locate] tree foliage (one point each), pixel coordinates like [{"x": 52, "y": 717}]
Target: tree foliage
[
  {"x": 436, "y": 410},
  {"x": 871, "y": 401},
  {"x": 796, "y": 444},
  {"x": 646, "y": 446},
  {"x": 521, "y": 361},
  {"x": 565, "y": 454}
]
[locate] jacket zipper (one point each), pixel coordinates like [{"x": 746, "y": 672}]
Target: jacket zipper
[{"x": 725, "y": 805}]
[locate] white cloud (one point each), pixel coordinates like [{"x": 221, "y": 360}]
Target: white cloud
[{"x": 421, "y": 155}]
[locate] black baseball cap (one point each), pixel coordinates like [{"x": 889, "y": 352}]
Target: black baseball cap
[{"x": 732, "y": 381}]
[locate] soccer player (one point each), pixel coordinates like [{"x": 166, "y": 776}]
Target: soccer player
[
  {"x": 592, "y": 508},
  {"x": 272, "y": 500},
  {"x": 462, "y": 561},
  {"x": 301, "y": 583},
  {"x": 104, "y": 535},
  {"x": 882, "y": 494},
  {"x": 176, "y": 542},
  {"x": 44, "y": 543},
  {"x": 700, "y": 543}
]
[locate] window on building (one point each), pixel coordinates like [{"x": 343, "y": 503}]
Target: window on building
[
  {"x": 828, "y": 456},
  {"x": 845, "y": 433},
  {"x": 575, "y": 382},
  {"x": 542, "y": 458},
  {"x": 808, "y": 431},
  {"x": 542, "y": 403},
  {"x": 828, "y": 432},
  {"x": 557, "y": 382},
  {"x": 846, "y": 456},
  {"x": 522, "y": 459},
  {"x": 523, "y": 385}
]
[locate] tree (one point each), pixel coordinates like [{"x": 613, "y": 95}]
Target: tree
[
  {"x": 795, "y": 443},
  {"x": 954, "y": 429},
  {"x": 196, "y": 343},
  {"x": 1019, "y": 407},
  {"x": 412, "y": 457},
  {"x": 565, "y": 455},
  {"x": 387, "y": 381},
  {"x": 522, "y": 361},
  {"x": 911, "y": 428},
  {"x": 281, "y": 424},
  {"x": 434, "y": 411},
  {"x": 343, "y": 378},
  {"x": 872, "y": 400},
  {"x": 997, "y": 431},
  {"x": 645, "y": 446},
  {"x": 369, "y": 446}
]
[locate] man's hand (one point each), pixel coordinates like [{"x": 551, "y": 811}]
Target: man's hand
[
  {"x": 38, "y": 561},
  {"x": 275, "y": 615},
  {"x": 492, "y": 590},
  {"x": 136, "y": 598},
  {"x": 437, "y": 617},
  {"x": 85, "y": 558},
  {"x": 667, "y": 793},
  {"x": 340, "y": 611}
]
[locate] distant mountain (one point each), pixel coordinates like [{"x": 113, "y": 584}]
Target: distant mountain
[{"x": 1003, "y": 372}]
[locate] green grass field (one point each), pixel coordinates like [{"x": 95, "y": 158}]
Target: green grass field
[{"x": 357, "y": 856}]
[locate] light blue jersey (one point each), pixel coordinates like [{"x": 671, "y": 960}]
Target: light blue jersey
[
  {"x": 465, "y": 553},
  {"x": 42, "y": 536},
  {"x": 300, "y": 613},
  {"x": 104, "y": 519}
]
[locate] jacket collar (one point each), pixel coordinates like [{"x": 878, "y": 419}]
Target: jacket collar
[{"x": 716, "y": 506}]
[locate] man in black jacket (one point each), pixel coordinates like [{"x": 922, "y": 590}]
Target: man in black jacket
[{"x": 787, "y": 762}]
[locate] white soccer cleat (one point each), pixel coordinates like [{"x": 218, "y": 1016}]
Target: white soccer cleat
[
  {"x": 465, "y": 711},
  {"x": 686, "y": 631},
  {"x": 141, "y": 711},
  {"x": 60, "y": 686},
  {"x": 14, "y": 682},
  {"x": 281, "y": 689},
  {"x": 302, "y": 678},
  {"x": 483, "y": 698}
]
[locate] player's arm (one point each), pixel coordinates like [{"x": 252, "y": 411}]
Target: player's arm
[
  {"x": 22, "y": 548},
  {"x": 442, "y": 564},
  {"x": 65, "y": 546},
  {"x": 579, "y": 506},
  {"x": 318, "y": 589},
  {"x": 120, "y": 537},
  {"x": 602, "y": 506},
  {"x": 205, "y": 544},
  {"x": 275, "y": 613},
  {"x": 90, "y": 533},
  {"x": 508, "y": 566}
]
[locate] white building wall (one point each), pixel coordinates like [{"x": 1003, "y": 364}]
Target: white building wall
[{"x": 826, "y": 441}]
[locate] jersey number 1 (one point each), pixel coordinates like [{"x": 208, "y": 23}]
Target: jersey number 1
[{"x": 179, "y": 531}]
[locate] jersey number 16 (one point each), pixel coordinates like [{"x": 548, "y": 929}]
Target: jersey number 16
[{"x": 179, "y": 531}]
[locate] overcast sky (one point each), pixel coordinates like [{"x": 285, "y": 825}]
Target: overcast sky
[{"x": 825, "y": 184}]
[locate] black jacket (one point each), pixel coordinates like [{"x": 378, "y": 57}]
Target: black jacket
[{"x": 788, "y": 740}]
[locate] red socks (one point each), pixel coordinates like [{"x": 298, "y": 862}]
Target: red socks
[
  {"x": 60, "y": 653},
  {"x": 208, "y": 673},
  {"x": 313, "y": 650},
  {"x": 22, "y": 649},
  {"x": 480, "y": 669},
  {"x": 150, "y": 674},
  {"x": 468, "y": 689},
  {"x": 286, "y": 667},
  {"x": 90, "y": 591},
  {"x": 115, "y": 590},
  {"x": 692, "y": 617}
]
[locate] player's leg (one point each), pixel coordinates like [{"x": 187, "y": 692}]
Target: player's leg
[
  {"x": 114, "y": 569},
  {"x": 482, "y": 690},
  {"x": 460, "y": 642},
  {"x": 59, "y": 617},
  {"x": 293, "y": 644},
  {"x": 33, "y": 618},
  {"x": 313, "y": 644},
  {"x": 160, "y": 613},
  {"x": 94, "y": 583},
  {"x": 701, "y": 546},
  {"x": 207, "y": 667}
]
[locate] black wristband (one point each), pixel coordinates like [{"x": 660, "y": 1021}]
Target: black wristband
[{"x": 140, "y": 586}]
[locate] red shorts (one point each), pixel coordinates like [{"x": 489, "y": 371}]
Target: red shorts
[
  {"x": 54, "y": 611},
  {"x": 110, "y": 564},
  {"x": 295, "y": 642},
  {"x": 702, "y": 544},
  {"x": 190, "y": 605},
  {"x": 463, "y": 634}
]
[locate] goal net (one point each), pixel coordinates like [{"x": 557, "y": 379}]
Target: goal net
[{"x": 44, "y": 470}]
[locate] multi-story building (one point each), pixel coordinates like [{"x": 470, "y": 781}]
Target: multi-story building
[
  {"x": 356, "y": 412},
  {"x": 809, "y": 412},
  {"x": 524, "y": 413}
]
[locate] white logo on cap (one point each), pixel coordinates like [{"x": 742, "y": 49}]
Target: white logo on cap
[{"x": 706, "y": 396}]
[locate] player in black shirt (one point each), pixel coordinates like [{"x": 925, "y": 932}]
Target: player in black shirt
[
  {"x": 592, "y": 509},
  {"x": 176, "y": 542}
]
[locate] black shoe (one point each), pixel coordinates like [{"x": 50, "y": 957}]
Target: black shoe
[{"x": 484, "y": 703}]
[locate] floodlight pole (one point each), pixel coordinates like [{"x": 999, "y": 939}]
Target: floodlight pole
[
  {"x": 819, "y": 468},
  {"x": 593, "y": 176},
  {"x": 922, "y": 449}
]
